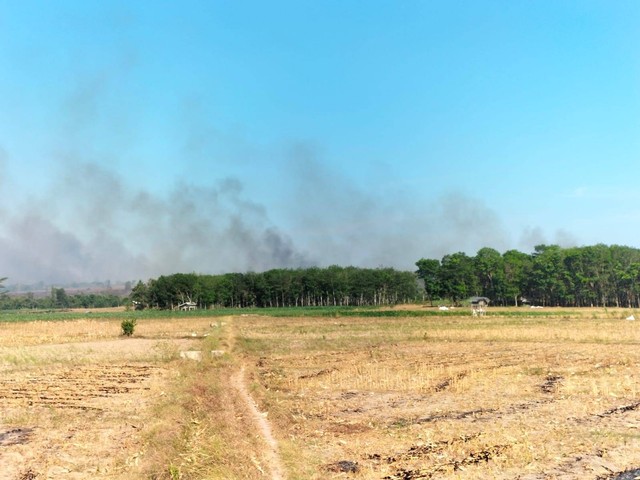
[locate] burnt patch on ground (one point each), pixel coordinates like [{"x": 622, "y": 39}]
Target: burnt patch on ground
[
  {"x": 550, "y": 384},
  {"x": 408, "y": 474},
  {"x": 471, "y": 458},
  {"x": 16, "y": 436},
  {"x": 480, "y": 456},
  {"x": 348, "y": 395},
  {"x": 422, "y": 450},
  {"x": 627, "y": 475},
  {"x": 621, "y": 409},
  {"x": 343, "y": 466},
  {"x": 324, "y": 371},
  {"x": 348, "y": 428},
  {"x": 456, "y": 415},
  {"x": 481, "y": 414},
  {"x": 75, "y": 388},
  {"x": 28, "y": 475}
]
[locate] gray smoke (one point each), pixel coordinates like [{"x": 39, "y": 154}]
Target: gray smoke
[
  {"x": 531, "y": 237},
  {"x": 92, "y": 225},
  {"x": 95, "y": 224},
  {"x": 379, "y": 226},
  {"x": 90, "y": 222}
]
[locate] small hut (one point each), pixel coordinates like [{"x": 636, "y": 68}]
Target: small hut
[
  {"x": 479, "y": 305},
  {"x": 187, "y": 306}
]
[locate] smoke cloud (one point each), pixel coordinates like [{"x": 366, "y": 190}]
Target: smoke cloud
[
  {"x": 92, "y": 225},
  {"x": 94, "y": 221},
  {"x": 377, "y": 226}
]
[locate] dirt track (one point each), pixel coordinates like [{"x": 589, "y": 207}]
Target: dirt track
[
  {"x": 79, "y": 410},
  {"x": 262, "y": 424}
]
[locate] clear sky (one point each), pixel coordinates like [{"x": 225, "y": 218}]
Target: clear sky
[{"x": 154, "y": 137}]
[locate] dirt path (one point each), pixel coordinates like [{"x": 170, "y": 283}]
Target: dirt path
[
  {"x": 238, "y": 381},
  {"x": 260, "y": 419}
]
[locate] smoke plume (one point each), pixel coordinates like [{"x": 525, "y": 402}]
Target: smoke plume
[{"x": 92, "y": 225}]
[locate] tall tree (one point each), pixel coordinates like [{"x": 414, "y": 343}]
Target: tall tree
[
  {"x": 549, "y": 274},
  {"x": 517, "y": 266},
  {"x": 59, "y": 297},
  {"x": 140, "y": 296},
  {"x": 489, "y": 266},
  {"x": 457, "y": 277},
  {"x": 428, "y": 272}
]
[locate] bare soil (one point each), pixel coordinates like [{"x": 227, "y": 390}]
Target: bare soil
[{"x": 271, "y": 450}]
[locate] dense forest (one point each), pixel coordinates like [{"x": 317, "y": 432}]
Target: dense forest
[
  {"x": 332, "y": 286},
  {"x": 598, "y": 275}
]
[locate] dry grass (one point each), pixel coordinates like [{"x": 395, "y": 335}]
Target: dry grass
[
  {"x": 79, "y": 401},
  {"x": 451, "y": 397},
  {"x": 499, "y": 397},
  {"x": 71, "y": 331}
]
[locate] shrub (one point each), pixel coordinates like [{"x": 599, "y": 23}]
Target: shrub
[{"x": 128, "y": 326}]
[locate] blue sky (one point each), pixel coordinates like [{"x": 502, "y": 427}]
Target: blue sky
[{"x": 145, "y": 138}]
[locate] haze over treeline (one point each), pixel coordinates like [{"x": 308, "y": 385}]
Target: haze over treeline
[
  {"x": 597, "y": 275},
  {"x": 93, "y": 224}
]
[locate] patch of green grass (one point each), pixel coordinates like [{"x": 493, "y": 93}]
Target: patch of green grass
[
  {"x": 289, "y": 312},
  {"x": 254, "y": 346}
]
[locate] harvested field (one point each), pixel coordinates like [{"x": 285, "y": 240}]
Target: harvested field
[
  {"x": 73, "y": 409},
  {"x": 506, "y": 396},
  {"x": 451, "y": 397}
]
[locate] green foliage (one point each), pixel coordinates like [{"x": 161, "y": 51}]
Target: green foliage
[
  {"x": 128, "y": 325},
  {"x": 598, "y": 275},
  {"x": 332, "y": 286},
  {"x": 458, "y": 279},
  {"x": 140, "y": 296},
  {"x": 59, "y": 299},
  {"x": 428, "y": 273},
  {"x": 174, "y": 472}
]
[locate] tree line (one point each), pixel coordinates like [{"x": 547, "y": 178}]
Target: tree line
[
  {"x": 59, "y": 299},
  {"x": 332, "y": 286},
  {"x": 551, "y": 275},
  {"x": 597, "y": 275}
]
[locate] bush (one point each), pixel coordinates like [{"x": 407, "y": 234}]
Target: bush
[{"x": 128, "y": 326}]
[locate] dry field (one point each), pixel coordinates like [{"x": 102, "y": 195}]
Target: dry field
[
  {"x": 507, "y": 396},
  {"x": 79, "y": 401},
  {"x": 451, "y": 397}
]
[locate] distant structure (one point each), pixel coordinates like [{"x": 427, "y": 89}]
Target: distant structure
[
  {"x": 187, "y": 306},
  {"x": 479, "y": 306}
]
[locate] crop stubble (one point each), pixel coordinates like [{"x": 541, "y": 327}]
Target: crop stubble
[
  {"x": 72, "y": 409},
  {"x": 367, "y": 398},
  {"x": 456, "y": 398}
]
